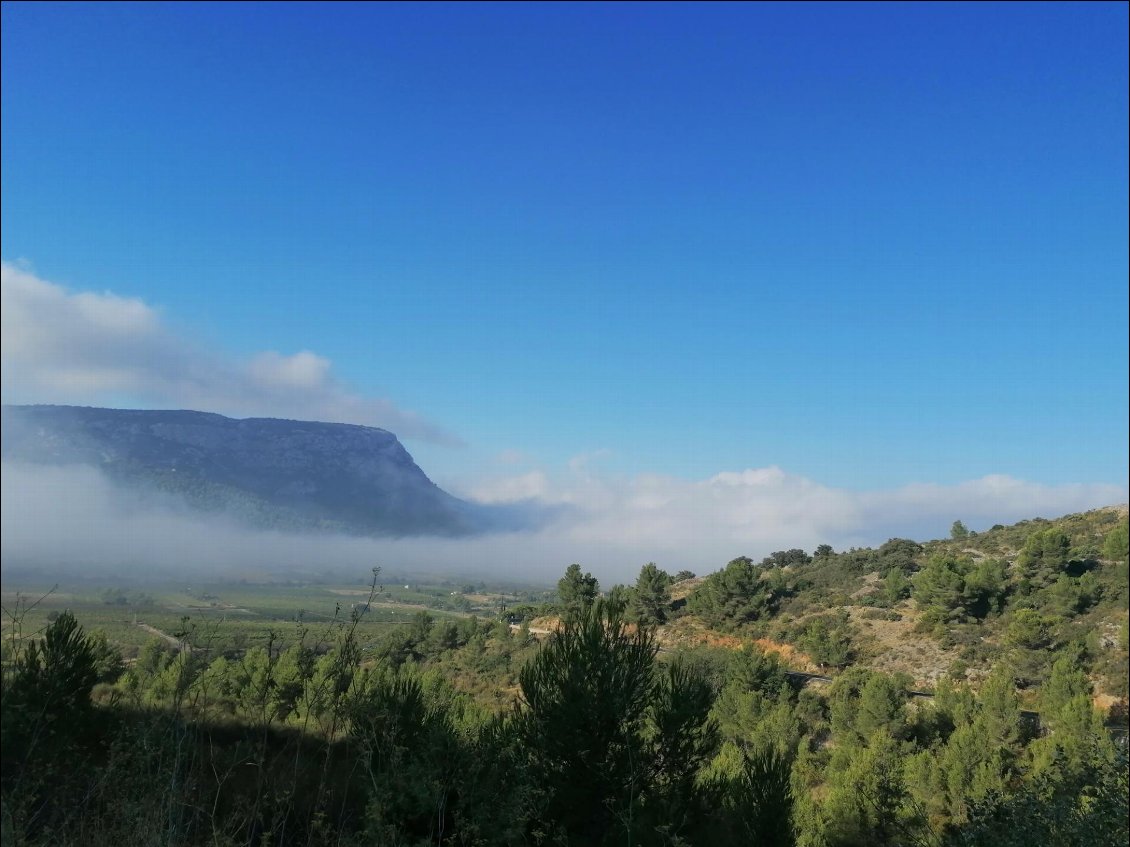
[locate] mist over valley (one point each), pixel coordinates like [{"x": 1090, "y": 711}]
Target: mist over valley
[{"x": 140, "y": 492}]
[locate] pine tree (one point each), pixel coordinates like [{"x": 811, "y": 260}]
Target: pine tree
[
  {"x": 732, "y": 596},
  {"x": 882, "y": 706},
  {"x": 615, "y": 746},
  {"x": 577, "y": 590},
  {"x": 585, "y": 703},
  {"x": 1043, "y": 558},
  {"x": 939, "y": 589},
  {"x": 998, "y": 708},
  {"x": 1116, "y": 546},
  {"x": 866, "y": 802},
  {"x": 651, "y": 598}
]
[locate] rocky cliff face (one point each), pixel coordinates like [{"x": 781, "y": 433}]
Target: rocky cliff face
[{"x": 266, "y": 472}]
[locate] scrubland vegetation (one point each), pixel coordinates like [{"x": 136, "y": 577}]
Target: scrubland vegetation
[{"x": 970, "y": 691}]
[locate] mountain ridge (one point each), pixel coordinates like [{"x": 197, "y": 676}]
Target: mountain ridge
[{"x": 266, "y": 472}]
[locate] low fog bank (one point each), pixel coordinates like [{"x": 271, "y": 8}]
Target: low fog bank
[
  {"x": 60, "y": 521},
  {"x": 72, "y": 521}
]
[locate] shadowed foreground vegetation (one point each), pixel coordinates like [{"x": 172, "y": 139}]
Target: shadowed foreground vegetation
[
  {"x": 606, "y": 745},
  {"x": 456, "y": 729}
]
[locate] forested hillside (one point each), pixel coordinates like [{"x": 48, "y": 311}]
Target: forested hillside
[
  {"x": 970, "y": 691},
  {"x": 1024, "y": 594}
]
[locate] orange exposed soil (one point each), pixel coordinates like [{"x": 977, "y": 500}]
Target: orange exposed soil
[
  {"x": 686, "y": 632},
  {"x": 791, "y": 657}
]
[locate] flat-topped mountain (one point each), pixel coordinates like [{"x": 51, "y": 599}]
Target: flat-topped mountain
[{"x": 263, "y": 471}]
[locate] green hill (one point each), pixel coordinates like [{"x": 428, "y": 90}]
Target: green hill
[{"x": 1024, "y": 594}]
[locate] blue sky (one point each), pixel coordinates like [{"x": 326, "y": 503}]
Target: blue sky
[{"x": 872, "y": 245}]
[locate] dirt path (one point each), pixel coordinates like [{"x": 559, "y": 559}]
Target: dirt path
[
  {"x": 534, "y": 630},
  {"x": 175, "y": 643}
]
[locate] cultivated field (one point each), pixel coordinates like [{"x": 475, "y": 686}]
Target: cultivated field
[{"x": 236, "y": 615}]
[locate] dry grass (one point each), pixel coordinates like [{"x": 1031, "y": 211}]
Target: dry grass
[
  {"x": 682, "y": 590},
  {"x": 690, "y": 632},
  {"x": 894, "y": 647}
]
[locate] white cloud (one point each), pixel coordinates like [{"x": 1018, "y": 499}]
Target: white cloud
[
  {"x": 512, "y": 456},
  {"x": 72, "y": 518},
  {"x": 512, "y": 489},
  {"x": 302, "y": 370},
  {"x": 618, "y": 523},
  {"x": 582, "y": 463},
  {"x": 102, "y": 349}
]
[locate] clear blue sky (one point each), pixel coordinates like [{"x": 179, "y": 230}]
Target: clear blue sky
[{"x": 871, "y": 244}]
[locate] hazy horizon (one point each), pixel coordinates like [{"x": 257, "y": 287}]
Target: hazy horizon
[{"x": 73, "y": 520}]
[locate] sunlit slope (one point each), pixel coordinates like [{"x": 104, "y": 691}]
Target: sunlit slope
[{"x": 1025, "y": 594}]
